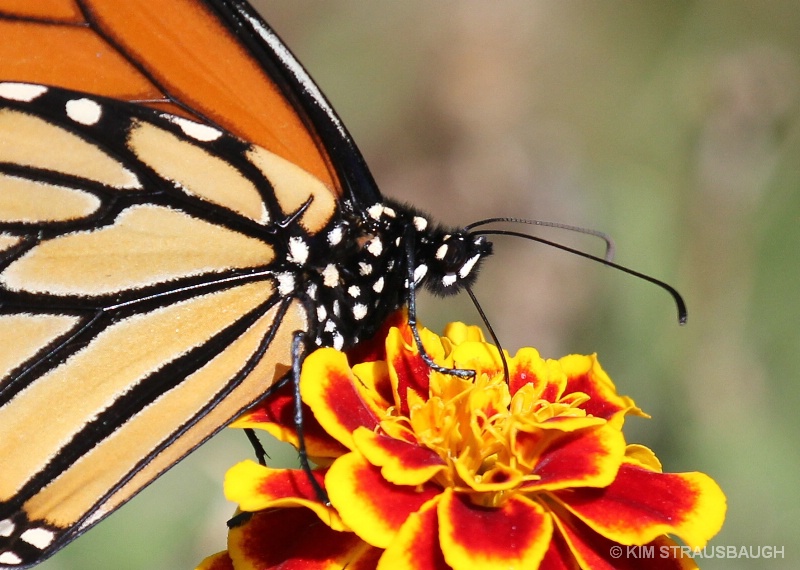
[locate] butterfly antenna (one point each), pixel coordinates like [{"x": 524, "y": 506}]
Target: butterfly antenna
[
  {"x": 609, "y": 241},
  {"x": 489, "y": 328},
  {"x": 679, "y": 302}
]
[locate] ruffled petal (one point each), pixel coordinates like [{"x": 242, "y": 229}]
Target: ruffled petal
[
  {"x": 401, "y": 463},
  {"x": 331, "y": 390},
  {"x": 218, "y": 561},
  {"x": 371, "y": 506},
  {"x": 586, "y": 458},
  {"x": 255, "y": 487},
  {"x": 559, "y": 556},
  {"x": 416, "y": 546},
  {"x": 515, "y": 535},
  {"x": 642, "y": 456},
  {"x": 276, "y": 416},
  {"x": 408, "y": 371},
  {"x": 546, "y": 376},
  {"x": 458, "y": 333},
  {"x": 641, "y": 505},
  {"x": 594, "y": 551},
  {"x": 584, "y": 374},
  {"x": 294, "y": 539},
  {"x": 479, "y": 356}
]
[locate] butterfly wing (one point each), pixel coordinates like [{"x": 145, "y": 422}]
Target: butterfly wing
[
  {"x": 214, "y": 61},
  {"x": 132, "y": 345}
]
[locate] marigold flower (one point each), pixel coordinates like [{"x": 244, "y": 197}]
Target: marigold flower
[{"x": 429, "y": 470}]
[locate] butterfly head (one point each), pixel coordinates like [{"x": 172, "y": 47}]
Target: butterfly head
[
  {"x": 445, "y": 259},
  {"x": 451, "y": 260}
]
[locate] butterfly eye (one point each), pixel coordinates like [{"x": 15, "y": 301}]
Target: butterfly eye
[{"x": 452, "y": 253}]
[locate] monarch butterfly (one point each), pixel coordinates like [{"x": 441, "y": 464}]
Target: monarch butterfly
[{"x": 177, "y": 198}]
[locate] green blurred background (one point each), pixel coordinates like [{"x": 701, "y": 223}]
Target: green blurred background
[{"x": 674, "y": 126}]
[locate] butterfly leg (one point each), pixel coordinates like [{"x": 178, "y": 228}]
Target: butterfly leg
[
  {"x": 299, "y": 343},
  {"x": 258, "y": 449},
  {"x": 412, "y": 314}
]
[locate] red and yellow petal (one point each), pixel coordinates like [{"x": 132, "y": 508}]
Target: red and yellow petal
[
  {"x": 255, "y": 487},
  {"x": 276, "y": 416},
  {"x": 375, "y": 385},
  {"x": 416, "y": 545},
  {"x": 218, "y": 561},
  {"x": 408, "y": 370},
  {"x": 482, "y": 357},
  {"x": 514, "y": 536},
  {"x": 374, "y": 348},
  {"x": 368, "y": 504},
  {"x": 643, "y": 457},
  {"x": 584, "y": 374},
  {"x": 401, "y": 463},
  {"x": 559, "y": 555},
  {"x": 641, "y": 505},
  {"x": 458, "y": 333},
  {"x": 591, "y": 550},
  {"x": 331, "y": 390},
  {"x": 295, "y": 539},
  {"x": 586, "y": 458},
  {"x": 545, "y": 376}
]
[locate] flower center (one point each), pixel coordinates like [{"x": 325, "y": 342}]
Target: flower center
[{"x": 475, "y": 426}]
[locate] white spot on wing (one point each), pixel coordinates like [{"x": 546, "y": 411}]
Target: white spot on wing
[
  {"x": 21, "y": 91},
  {"x": 93, "y": 518},
  {"x": 285, "y": 284},
  {"x": 41, "y": 538},
  {"x": 375, "y": 211},
  {"x": 312, "y": 290},
  {"x": 449, "y": 279},
  {"x": 197, "y": 131},
  {"x": 364, "y": 268},
  {"x": 322, "y": 313},
  {"x": 378, "y": 285},
  {"x": 336, "y": 308},
  {"x": 419, "y": 273},
  {"x": 330, "y": 275},
  {"x": 298, "y": 250},
  {"x": 10, "y": 558},
  {"x": 359, "y": 311},
  {"x": 330, "y": 326},
  {"x": 338, "y": 341},
  {"x": 84, "y": 111},
  {"x": 6, "y": 527},
  {"x": 420, "y": 223},
  {"x": 354, "y": 291},
  {"x": 441, "y": 252}
]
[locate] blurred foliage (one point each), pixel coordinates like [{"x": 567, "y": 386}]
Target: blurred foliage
[{"x": 674, "y": 126}]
